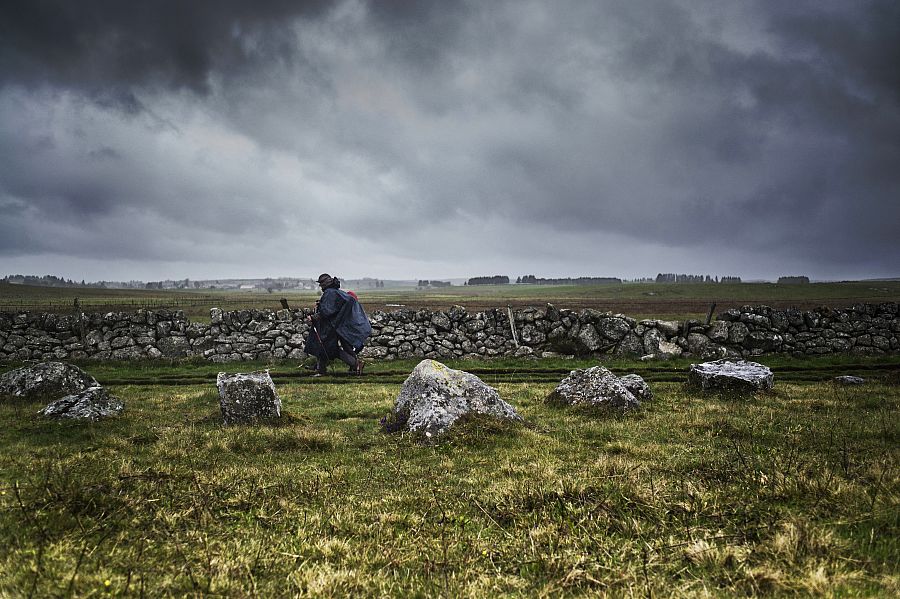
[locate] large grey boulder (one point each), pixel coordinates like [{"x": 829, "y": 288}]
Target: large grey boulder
[
  {"x": 93, "y": 404},
  {"x": 247, "y": 397},
  {"x": 434, "y": 396},
  {"x": 47, "y": 380},
  {"x": 732, "y": 374},
  {"x": 593, "y": 387}
]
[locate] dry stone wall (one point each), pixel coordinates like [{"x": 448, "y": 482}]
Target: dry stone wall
[{"x": 243, "y": 335}]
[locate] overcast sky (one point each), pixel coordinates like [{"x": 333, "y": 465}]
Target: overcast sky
[{"x": 206, "y": 139}]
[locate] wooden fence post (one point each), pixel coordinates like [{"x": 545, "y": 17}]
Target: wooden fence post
[
  {"x": 709, "y": 315},
  {"x": 512, "y": 325},
  {"x": 80, "y": 315}
]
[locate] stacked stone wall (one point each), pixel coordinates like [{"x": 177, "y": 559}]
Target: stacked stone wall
[{"x": 243, "y": 335}]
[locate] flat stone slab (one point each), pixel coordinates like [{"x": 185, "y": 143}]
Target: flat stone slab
[
  {"x": 597, "y": 387},
  {"x": 46, "y": 380},
  {"x": 434, "y": 396},
  {"x": 849, "y": 380},
  {"x": 732, "y": 375},
  {"x": 247, "y": 397},
  {"x": 92, "y": 404}
]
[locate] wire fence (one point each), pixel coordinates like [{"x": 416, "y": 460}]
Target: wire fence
[
  {"x": 196, "y": 305},
  {"x": 112, "y": 305}
]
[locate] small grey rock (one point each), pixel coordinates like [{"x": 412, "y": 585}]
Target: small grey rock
[
  {"x": 732, "y": 374},
  {"x": 173, "y": 347},
  {"x": 523, "y": 351},
  {"x": 630, "y": 345},
  {"x": 849, "y": 380},
  {"x": 93, "y": 404},
  {"x": 668, "y": 350},
  {"x": 613, "y": 329},
  {"x": 595, "y": 387},
  {"x": 638, "y": 386},
  {"x": 588, "y": 339},
  {"x": 246, "y": 397}
]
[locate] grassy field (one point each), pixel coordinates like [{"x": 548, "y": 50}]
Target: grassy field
[
  {"x": 639, "y": 300},
  {"x": 790, "y": 493}
]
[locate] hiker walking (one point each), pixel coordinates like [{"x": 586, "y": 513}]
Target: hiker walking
[{"x": 339, "y": 329}]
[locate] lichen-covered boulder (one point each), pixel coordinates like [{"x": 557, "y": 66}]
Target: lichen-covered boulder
[
  {"x": 593, "y": 387},
  {"x": 732, "y": 374},
  {"x": 247, "y": 397},
  {"x": 47, "y": 380},
  {"x": 434, "y": 396},
  {"x": 638, "y": 386},
  {"x": 93, "y": 404}
]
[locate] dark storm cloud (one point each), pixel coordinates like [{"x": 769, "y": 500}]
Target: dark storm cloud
[
  {"x": 106, "y": 47},
  {"x": 765, "y": 132},
  {"x": 793, "y": 147}
]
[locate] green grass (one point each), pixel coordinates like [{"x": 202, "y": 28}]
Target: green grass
[{"x": 794, "y": 492}]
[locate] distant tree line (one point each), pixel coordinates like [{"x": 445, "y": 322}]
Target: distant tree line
[
  {"x": 495, "y": 280},
  {"x": 425, "y": 283},
  {"x": 681, "y": 278},
  {"x": 533, "y": 280},
  {"x": 793, "y": 280},
  {"x": 48, "y": 281}
]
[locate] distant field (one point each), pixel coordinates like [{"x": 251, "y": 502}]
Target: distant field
[{"x": 635, "y": 299}]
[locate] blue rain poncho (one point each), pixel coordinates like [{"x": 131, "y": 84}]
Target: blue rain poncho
[{"x": 340, "y": 315}]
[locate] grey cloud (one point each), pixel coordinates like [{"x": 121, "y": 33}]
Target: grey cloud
[{"x": 105, "y": 153}]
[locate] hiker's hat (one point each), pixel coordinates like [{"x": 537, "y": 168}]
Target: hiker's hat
[{"x": 325, "y": 280}]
